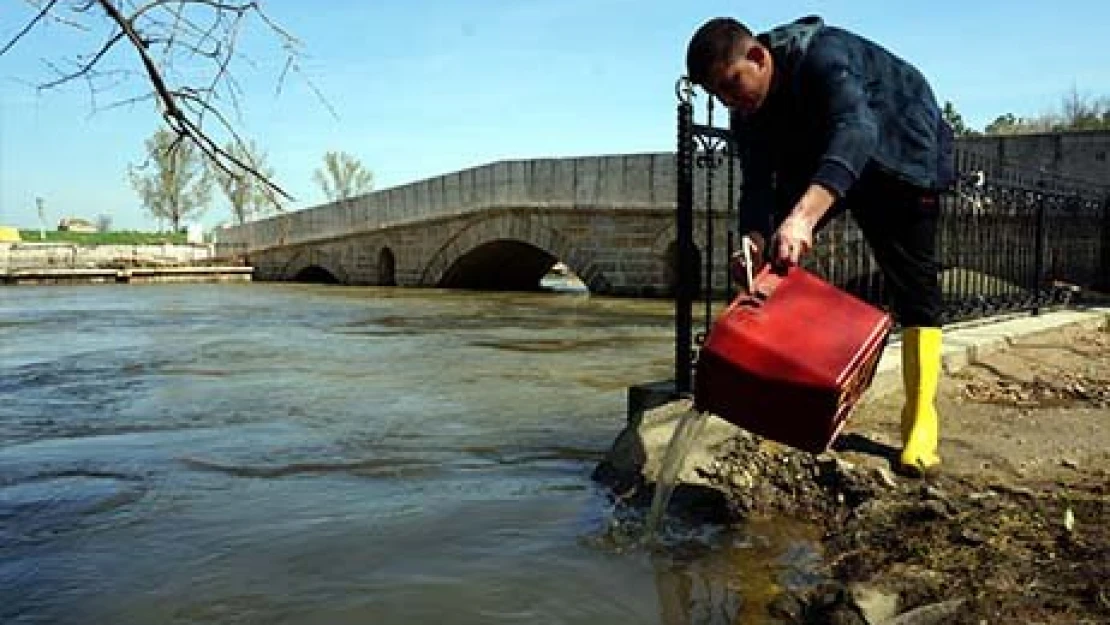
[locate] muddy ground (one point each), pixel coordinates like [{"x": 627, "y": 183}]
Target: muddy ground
[{"x": 1015, "y": 530}]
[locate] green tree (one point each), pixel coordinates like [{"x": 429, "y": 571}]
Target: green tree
[
  {"x": 954, "y": 119},
  {"x": 173, "y": 183},
  {"x": 1077, "y": 112},
  {"x": 1007, "y": 124},
  {"x": 343, "y": 176},
  {"x": 245, "y": 192}
]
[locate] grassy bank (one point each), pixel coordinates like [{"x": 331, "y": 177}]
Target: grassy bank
[{"x": 104, "y": 238}]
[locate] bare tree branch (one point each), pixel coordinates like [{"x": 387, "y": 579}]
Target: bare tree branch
[
  {"x": 61, "y": 19},
  {"x": 223, "y": 65},
  {"x": 319, "y": 94},
  {"x": 173, "y": 40},
  {"x": 87, "y": 67},
  {"x": 175, "y": 117},
  {"x": 27, "y": 28},
  {"x": 128, "y": 102}
]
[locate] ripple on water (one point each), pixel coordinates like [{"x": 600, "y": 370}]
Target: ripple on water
[
  {"x": 371, "y": 467},
  {"x": 46, "y": 506},
  {"x": 540, "y": 346}
]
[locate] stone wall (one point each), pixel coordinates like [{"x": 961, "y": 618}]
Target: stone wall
[
  {"x": 610, "y": 218},
  {"x": 15, "y": 256},
  {"x": 1080, "y": 155},
  {"x": 630, "y": 182},
  {"x": 616, "y": 252}
]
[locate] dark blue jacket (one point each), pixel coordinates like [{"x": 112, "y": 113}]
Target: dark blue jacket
[{"x": 839, "y": 105}]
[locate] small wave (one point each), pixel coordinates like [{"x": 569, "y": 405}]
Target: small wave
[
  {"x": 563, "y": 345},
  {"x": 211, "y": 373},
  {"x": 73, "y": 473},
  {"x": 44, "y": 506},
  {"x": 385, "y": 466},
  {"x": 510, "y": 456}
]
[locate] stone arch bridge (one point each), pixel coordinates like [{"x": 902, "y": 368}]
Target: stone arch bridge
[{"x": 502, "y": 226}]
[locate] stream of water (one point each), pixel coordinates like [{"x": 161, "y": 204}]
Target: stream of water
[{"x": 689, "y": 428}]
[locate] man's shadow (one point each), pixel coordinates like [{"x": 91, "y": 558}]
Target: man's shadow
[{"x": 864, "y": 445}]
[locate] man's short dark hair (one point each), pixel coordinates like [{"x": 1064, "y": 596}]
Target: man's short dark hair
[{"x": 719, "y": 40}]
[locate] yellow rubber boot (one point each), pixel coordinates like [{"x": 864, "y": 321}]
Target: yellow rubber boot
[{"x": 920, "y": 375}]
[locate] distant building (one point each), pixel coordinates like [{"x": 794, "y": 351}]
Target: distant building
[
  {"x": 194, "y": 234},
  {"x": 76, "y": 224}
]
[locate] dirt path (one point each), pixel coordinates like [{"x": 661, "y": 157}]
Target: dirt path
[{"x": 1039, "y": 410}]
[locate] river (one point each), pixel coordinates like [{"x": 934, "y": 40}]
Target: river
[{"x": 280, "y": 453}]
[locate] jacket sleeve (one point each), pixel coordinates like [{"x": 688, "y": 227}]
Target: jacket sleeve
[
  {"x": 757, "y": 197},
  {"x": 831, "y": 80}
]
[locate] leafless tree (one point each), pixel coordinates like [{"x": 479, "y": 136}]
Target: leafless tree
[
  {"x": 343, "y": 176},
  {"x": 184, "y": 51},
  {"x": 173, "y": 184},
  {"x": 244, "y": 193},
  {"x": 1081, "y": 111}
]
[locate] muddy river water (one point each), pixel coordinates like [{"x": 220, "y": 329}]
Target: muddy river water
[{"x": 272, "y": 453}]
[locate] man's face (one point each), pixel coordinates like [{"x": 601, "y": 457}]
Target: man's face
[{"x": 742, "y": 84}]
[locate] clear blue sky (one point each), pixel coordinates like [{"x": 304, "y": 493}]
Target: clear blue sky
[{"x": 425, "y": 87}]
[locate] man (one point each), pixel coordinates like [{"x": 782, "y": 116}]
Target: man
[{"x": 828, "y": 122}]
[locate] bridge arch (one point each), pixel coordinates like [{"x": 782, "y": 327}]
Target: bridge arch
[
  {"x": 665, "y": 251},
  {"x": 315, "y": 274},
  {"x": 387, "y": 267},
  {"x": 314, "y": 265},
  {"x": 508, "y": 251}
]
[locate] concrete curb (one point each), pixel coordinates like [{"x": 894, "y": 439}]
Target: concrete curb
[{"x": 966, "y": 344}]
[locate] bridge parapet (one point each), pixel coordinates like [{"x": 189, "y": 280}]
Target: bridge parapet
[{"x": 632, "y": 181}]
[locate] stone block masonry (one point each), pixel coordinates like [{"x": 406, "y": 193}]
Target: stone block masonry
[
  {"x": 1082, "y": 155},
  {"x": 502, "y": 226}
]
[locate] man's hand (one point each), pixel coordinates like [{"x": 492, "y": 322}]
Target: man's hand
[{"x": 794, "y": 237}]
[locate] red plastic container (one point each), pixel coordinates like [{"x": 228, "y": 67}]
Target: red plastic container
[{"x": 791, "y": 360}]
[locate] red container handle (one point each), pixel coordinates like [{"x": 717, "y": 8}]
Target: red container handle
[{"x": 768, "y": 281}]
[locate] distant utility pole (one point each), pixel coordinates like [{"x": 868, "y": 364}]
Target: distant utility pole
[{"x": 42, "y": 218}]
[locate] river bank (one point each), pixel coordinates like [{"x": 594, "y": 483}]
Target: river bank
[
  {"x": 75, "y": 255},
  {"x": 1014, "y": 530},
  {"x": 26, "y": 263}
]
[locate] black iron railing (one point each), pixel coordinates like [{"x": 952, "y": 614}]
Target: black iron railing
[
  {"x": 707, "y": 205},
  {"x": 1009, "y": 240}
]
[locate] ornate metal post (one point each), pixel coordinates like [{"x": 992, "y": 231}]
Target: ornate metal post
[
  {"x": 709, "y": 161},
  {"x": 1040, "y": 247},
  {"x": 684, "y": 207}
]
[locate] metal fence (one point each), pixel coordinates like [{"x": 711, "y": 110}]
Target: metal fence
[{"x": 1008, "y": 240}]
